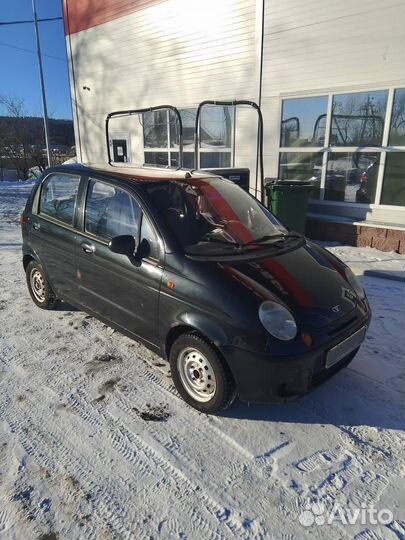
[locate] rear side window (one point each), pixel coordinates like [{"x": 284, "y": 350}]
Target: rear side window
[
  {"x": 58, "y": 197},
  {"x": 110, "y": 211}
]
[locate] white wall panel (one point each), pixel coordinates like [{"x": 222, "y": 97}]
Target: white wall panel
[
  {"x": 313, "y": 46},
  {"x": 183, "y": 52},
  {"x": 176, "y": 52}
]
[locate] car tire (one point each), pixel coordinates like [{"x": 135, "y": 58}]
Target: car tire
[
  {"x": 200, "y": 375},
  {"x": 39, "y": 288}
]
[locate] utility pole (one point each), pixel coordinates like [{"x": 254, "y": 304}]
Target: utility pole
[{"x": 41, "y": 78}]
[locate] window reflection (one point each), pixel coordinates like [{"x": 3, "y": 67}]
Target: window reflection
[
  {"x": 188, "y": 123},
  {"x": 302, "y": 167},
  {"x": 155, "y": 129},
  {"x": 347, "y": 174},
  {"x": 188, "y": 159},
  {"x": 156, "y": 158},
  {"x": 304, "y": 121},
  {"x": 358, "y": 119},
  {"x": 215, "y": 159},
  {"x": 216, "y": 132},
  {"x": 216, "y": 127},
  {"x": 397, "y": 128},
  {"x": 393, "y": 190}
]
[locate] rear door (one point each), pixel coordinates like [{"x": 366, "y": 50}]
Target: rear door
[
  {"x": 52, "y": 230},
  {"x": 113, "y": 285}
]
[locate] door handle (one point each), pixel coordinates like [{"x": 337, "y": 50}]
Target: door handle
[
  {"x": 87, "y": 248},
  {"x": 36, "y": 226}
]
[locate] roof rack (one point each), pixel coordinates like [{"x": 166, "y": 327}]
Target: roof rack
[
  {"x": 131, "y": 112},
  {"x": 234, "y": 103}
]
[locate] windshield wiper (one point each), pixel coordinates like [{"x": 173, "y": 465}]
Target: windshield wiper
[
  {"x": 277, "y": 239},
  {"x": 262, "y": 239},
  {"x": 213, "y": 240}
]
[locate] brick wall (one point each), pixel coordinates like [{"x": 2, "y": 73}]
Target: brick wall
[{"x": 357, "y": 235}]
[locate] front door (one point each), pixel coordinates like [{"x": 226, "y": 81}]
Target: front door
[{"x": 110, "y": 284}]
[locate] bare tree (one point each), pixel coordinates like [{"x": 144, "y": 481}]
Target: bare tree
[{"x": 20, "y": 147}]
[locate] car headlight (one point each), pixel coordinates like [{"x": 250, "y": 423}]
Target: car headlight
[
  {"x": 355, "y": 283},
  {"x": 277, "y": 320}
]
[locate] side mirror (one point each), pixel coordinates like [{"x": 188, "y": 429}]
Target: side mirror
[{"x": 123, "y": 244}]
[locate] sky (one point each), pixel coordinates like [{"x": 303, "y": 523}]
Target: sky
[{"x": 19, "y": 75}]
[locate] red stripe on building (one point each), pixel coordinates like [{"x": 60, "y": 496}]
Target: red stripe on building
[{"x": 80, "y": 15}]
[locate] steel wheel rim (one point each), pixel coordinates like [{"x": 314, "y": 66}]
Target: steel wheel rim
[
  {"x": 38, "y": 287},
  {"x": 196, "y": 374}
]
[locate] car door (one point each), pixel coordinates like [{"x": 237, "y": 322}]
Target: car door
[
  {"x": 52, "y": 232},
  {"x": 119, "y": 288}
]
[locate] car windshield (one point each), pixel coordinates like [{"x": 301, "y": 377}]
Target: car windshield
[{"x": 212, "y": 215}]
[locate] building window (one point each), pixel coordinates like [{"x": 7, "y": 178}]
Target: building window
[
  {"x": 350, "y": 146},
  {"x": 347, "y": 174},
  {"x": 397, "y": 126},
  {"x": 300, "y": 165},
  {"x": 393, "y": 187},
  {"x": 358, "y": 119},
  {"x": 303, "y": 121},
  {"x": 155, "y": 129},
  {"x": 161, "y": 137}
]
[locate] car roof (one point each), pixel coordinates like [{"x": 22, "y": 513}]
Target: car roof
[{"x": 136, "y": 174}]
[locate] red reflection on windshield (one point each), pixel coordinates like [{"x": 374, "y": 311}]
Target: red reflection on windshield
[
  {"x": 242, "y": 234},
  {"x": 221, "y": 207}
]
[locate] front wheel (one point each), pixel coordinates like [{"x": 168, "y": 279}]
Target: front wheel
[
  {"x": 39, "y": 288},
  {"x": 200, "y": 374}
]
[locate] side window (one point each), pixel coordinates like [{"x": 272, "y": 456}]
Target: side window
[
  {"x": 58, "y": 197},
  {"x": 110, "y": 211},
  {"x": 148, "y": 237}
]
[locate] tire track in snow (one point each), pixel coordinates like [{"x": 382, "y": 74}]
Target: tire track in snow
[
  {"x": 123, "y": 411},
  {"x": 53, "y": 449}
]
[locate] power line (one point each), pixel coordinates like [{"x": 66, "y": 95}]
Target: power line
[
  {"x": 35, "y": 21},
  {"x": 4, "y": 23},
  {"x": 42, "y": 84},
  {"x": 30, "y": 51}
]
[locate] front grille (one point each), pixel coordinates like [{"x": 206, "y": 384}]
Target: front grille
[{"x": 341, "y": 326}]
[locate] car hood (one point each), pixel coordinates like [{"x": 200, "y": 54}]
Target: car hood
[{"x": 308, "y": 280}]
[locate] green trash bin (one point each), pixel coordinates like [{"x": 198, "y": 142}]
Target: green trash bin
[{"x": 288, "y": 201}]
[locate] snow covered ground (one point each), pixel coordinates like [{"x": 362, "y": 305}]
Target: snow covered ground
[{"x": 96, "y": 444}]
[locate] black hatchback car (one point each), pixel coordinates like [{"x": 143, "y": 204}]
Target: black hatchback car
[{"x": 200, "y": 272}]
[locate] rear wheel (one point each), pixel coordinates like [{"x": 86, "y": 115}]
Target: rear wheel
[
  {"x": 200, "y": 374},
  {"x": 39, "y": 288}
]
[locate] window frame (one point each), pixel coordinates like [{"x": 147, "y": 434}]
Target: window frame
[
  {"x": 189, "y": 149},
  {"x": 47, "y": 217},
  {"x": 384, "y": 149},
  {"x": 158, "y": 237},
  {"x": 85, "y": 196},
  {"x": 143, "y": 211}
]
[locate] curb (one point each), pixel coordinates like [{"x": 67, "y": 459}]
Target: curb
[{"x": 380, "y": 274}]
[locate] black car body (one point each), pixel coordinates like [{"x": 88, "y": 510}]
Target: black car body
[{"x": 157, "y": 284}]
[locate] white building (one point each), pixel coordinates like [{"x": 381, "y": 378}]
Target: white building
[{"x": 328, "y": 76}]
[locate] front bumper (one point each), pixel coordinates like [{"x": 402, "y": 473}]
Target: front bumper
[{"x": 262, "y": 378}]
